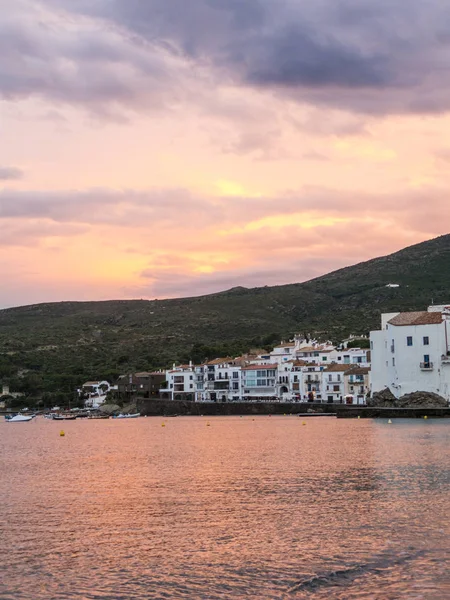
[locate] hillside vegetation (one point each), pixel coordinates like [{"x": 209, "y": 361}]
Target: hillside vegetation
[{"x": 52, "y": 348}]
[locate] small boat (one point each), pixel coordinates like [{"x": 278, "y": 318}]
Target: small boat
[
  {"x": 64, "y": 417},
  {"x": 19, "y": 418},
  {"x": 121, "y": 416},
  {"x": 98, "y": 417}
]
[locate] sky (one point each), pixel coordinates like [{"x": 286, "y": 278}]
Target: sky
[{"x": 167, "y": 148}]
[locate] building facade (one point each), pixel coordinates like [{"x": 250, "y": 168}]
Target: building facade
[{"x": 411, "y": 352}]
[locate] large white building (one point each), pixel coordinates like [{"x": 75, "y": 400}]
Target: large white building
[{"x": 411, "y": 352}]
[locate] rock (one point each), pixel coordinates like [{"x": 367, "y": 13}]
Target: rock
[
  {"x": 110, "y": 409},
  {"x": 130, "y": 409},
  {"x": 422, "y": 400},
  {"x": 385, "y": 398}
]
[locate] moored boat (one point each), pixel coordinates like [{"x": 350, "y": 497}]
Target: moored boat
[
  {"x": 19, "y": 418},
  {"x": 134, "y": 416},
  {"x": 64, "y": 417}
]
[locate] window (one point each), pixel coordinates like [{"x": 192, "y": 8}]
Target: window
[
  {"x": 393, "y": 362},
  {"x": 235, "y": 385},
  {"x": 339, "y": 357},
  {"x": 371, "y": 345},
  {"x": 336, "y": 388},
  {"x": 426, "y": 341},
  {"x": 330, "y": 377},
  {"x": 191, "y": 377},
  {"x": 324, "y": 358},
  {"x": 426, "y": 359},
  {"x": 235, "y": 375},
  {"x": 409, "y": 340}
]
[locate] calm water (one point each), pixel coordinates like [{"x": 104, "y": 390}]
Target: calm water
[{"x": 246, "y": 508}]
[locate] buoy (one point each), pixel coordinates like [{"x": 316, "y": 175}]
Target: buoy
[
  {"x": 163, "y": 424},
  {"x": 390, "y": 422},
  {"x": 61, "y": 433},
  {"x": 425, "y": 417},
  {"x": 208, "y": 425},
  {"x": 359, "y": 416},
  {"x": 303, "y": 423},
  {"x": 284, "y": 414}
]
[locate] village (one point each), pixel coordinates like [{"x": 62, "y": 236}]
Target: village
[{"x": 409, "y": 353}]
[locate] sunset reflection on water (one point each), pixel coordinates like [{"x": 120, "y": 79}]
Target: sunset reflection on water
[{"x": 248, "y": 507}]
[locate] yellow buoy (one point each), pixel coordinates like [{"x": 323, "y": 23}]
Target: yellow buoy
[
  {"x": 390, "y": 422},
  {"x": 303, "y": 423},
  {"x": 425, "y": 417},
  {"x": 163, "y": 424},
  {"x": 61, "y": 433}
]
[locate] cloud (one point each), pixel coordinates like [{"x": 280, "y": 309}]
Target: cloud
[
  {"x": 374, "y": 57},
  {"x": 111, "y": 57},
  {"x": 10, "y": 173},
  {"x": 81, "y": 63}
]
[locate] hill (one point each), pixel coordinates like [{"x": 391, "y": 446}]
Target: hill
[{"x": 52, "y": 348}]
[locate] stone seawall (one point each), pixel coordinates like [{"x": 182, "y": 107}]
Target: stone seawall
[
  {"x": 170, "y": 408},
  {"x": 342, "y": 411},
  {"x": 373, "y": 412}
]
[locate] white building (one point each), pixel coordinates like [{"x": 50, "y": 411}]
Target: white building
[
  {"x": 94, "y": 393},
  {"x": 259, "y": 382},
  {"x": 333, "y": 383},
  {"x": 181, "y": 383},
  {"x": 219, "y": 380},
  {"x": 411, "y": 352}
]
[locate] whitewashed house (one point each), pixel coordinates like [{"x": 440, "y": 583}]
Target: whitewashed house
[
  {"x": 220, "y": 381},
  {"x": 411, "y": 352},
  {"x": 333, "y": 383},
  {"x": 282, "y": 353},
  {"x": 181, "y": 383},
  {"x": 94, "y": 393},
  {"x": 356, "y": 385},
  {"x": 259, "y": 382}
]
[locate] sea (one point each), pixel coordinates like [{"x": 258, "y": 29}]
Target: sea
[{"x": 225, "y": 507}]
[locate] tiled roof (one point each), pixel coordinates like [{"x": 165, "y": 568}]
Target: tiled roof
[
  {"x": 355, "y": 370},
  {"x": 258, "y": 367},
  {"x": 315, "y": 349},
  {"x": 337, "y": 368},
  {"x": 91, "y": 383},
  {"x": 300, "y": 363},
  {"x": 220, "y": 361},
  {"x": 417, "y": 318}
]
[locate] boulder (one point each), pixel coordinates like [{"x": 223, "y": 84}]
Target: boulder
[
  {"x": 110, "y": 409},
  {"x": 385, "y": 398},
  {"x": 422, "y": 400}
]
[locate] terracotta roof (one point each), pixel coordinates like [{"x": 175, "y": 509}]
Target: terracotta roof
[
  {"x": 315, "y": 349},
  {"x": 417, "y": 318},
  {"x": 355, "y": 370},
  {"x": 220, "y": 361},
  {"x": 258, "y": 367},
  {"x": 337, "y": 368},
  {"x": 300, "y": 363}
]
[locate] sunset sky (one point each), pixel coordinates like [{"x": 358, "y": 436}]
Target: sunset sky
[{"x": 162, "y": 148}]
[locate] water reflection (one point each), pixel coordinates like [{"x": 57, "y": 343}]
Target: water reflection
[{"x": 262, "y": 508}]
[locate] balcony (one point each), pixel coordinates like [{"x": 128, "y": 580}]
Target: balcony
[
  {"x": 426, "y": 366},
  {"x": 445, "y": 359}
]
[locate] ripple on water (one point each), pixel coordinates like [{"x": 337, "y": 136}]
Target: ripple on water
[{"x": 243, "y": 509}]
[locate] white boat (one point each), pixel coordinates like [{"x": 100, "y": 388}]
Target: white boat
[
  {"x": 18, "y": 419},
  {"x": 121, "y": 416}
]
